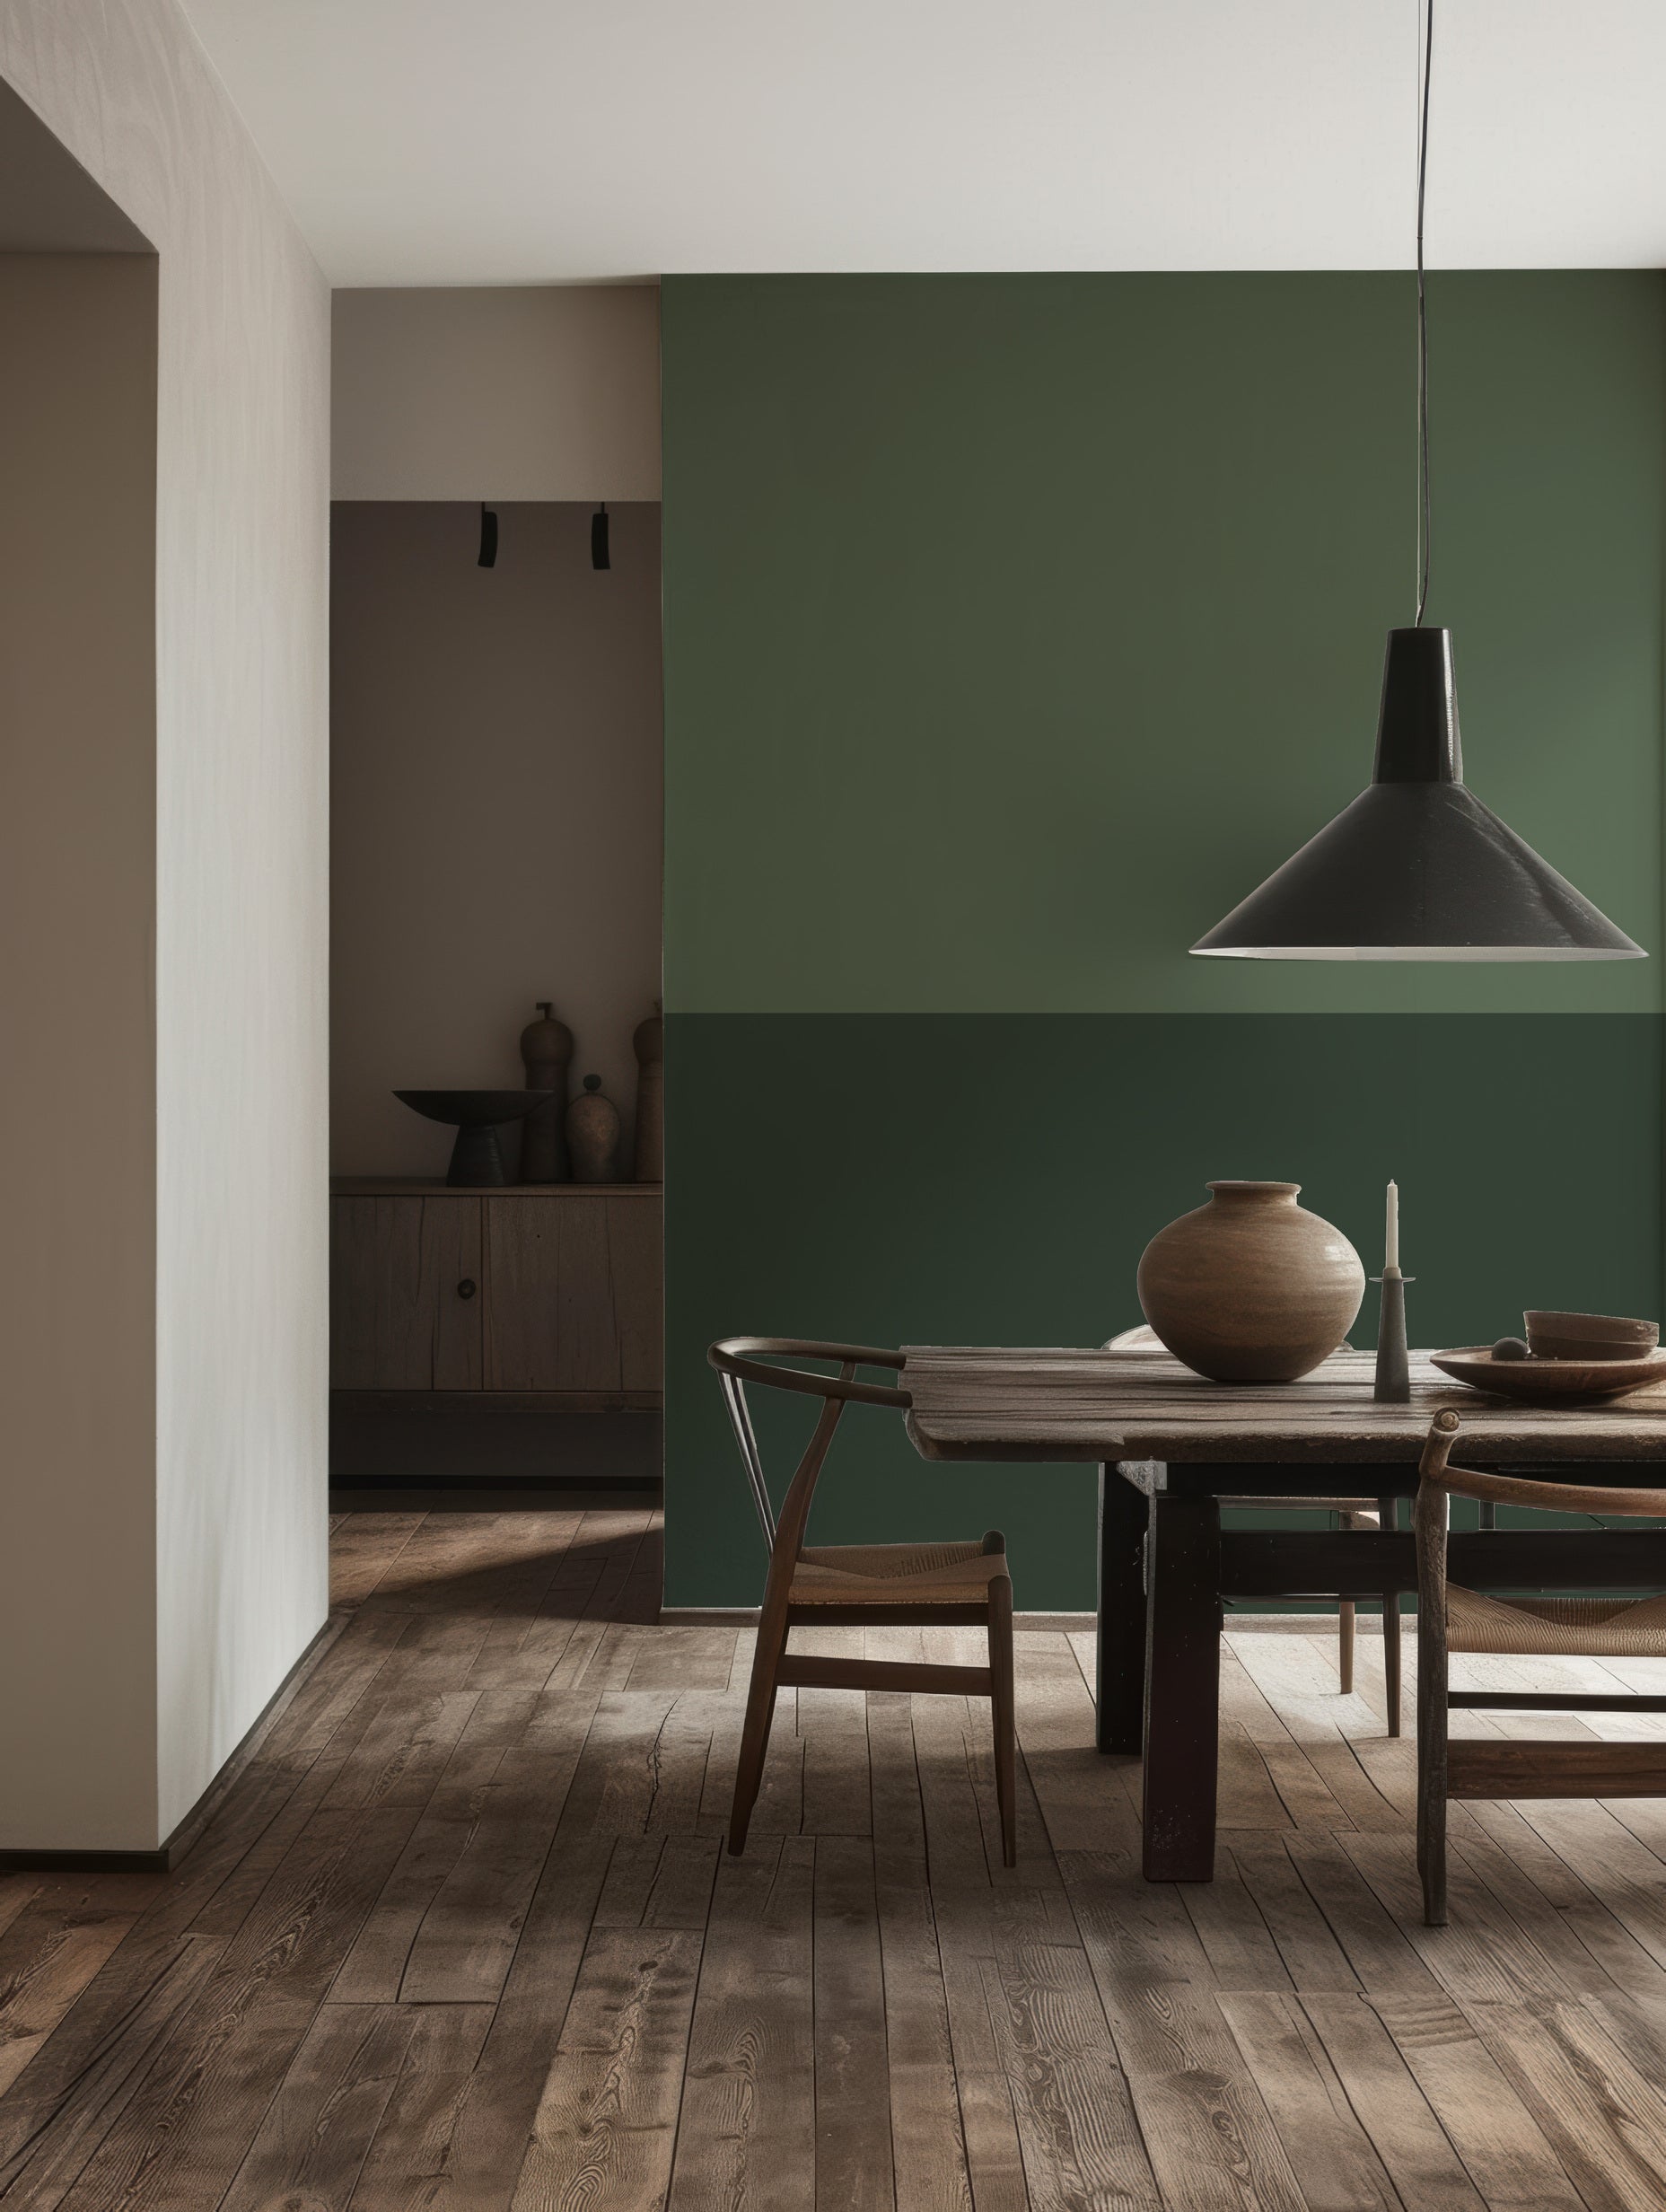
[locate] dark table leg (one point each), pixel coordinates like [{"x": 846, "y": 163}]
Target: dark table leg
[
  {"x": 1121, "y": 1683},
  {"x": 1183, "y": 1687}
]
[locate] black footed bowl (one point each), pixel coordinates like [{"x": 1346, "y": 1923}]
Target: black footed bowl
[{"x": 476, "y": 1161}]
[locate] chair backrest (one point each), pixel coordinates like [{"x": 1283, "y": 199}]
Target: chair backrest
[
  {"x": 1440, "y": 1481},
  {"x": 740, "y": 1360}
]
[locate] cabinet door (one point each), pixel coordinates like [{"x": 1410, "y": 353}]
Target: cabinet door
[
  {"x": 635, "y": 1236},
  {"x": 405, "y": 1294},
  {"x": 550, "y": 1288}
]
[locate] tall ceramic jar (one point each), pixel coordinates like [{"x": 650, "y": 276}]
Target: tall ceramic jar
[
  {"x": 545, "y": 1050},
  {"x": 649, "y": 1042},
  {"x": 1251, "y": 1288}
]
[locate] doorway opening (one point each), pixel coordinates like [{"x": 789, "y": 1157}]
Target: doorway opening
[{"x": 497, "y": 741}]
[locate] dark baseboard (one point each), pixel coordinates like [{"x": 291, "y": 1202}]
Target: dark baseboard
[
  {"x": 167, "y": 1855},
  {"x": 502, "y": 1494},
  {"x": 462, "y": 1440},
  {"x": 418, "y": 1402}
]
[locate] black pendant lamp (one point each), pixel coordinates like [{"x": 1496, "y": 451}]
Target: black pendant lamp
[{"x": 1416, "y": 868}]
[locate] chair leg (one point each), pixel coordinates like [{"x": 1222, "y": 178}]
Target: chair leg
[
  {"x": 1432, "y": 1727},
  {"x": 1345, "y": 1646},
  {"x": 1391, "y": 1655},
  {"x": 761, "y": 1709},
  {"x": 1001, "y": 1715},
  {"x": 1431, "y": 1837}
]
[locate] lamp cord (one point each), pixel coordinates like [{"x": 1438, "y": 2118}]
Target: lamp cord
[{"x": 1427, "y": 8}]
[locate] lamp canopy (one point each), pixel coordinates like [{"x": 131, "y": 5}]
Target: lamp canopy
[{"x": 1416, "y": 868}]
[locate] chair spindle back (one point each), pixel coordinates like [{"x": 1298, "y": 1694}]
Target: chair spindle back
[{"x": 740, "y": 1360}]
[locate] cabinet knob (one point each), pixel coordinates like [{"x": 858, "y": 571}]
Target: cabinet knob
[{"x": 465, "y": 1289}]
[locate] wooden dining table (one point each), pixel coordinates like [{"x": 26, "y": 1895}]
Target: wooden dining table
[{"x": 1167, "y": 1443}]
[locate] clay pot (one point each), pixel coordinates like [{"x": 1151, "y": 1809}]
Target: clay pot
[
  {"x": 593, "y": 1136},
  {"x": 1251, "y": 1288}
]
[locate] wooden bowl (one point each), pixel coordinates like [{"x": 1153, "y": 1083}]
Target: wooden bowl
[
  {"x": 1589, "y": 1336},
  {"x": 1551, "y": 1378}
]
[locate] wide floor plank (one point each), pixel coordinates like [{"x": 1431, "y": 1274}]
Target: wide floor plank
[{"x": 464, "y": 1937}]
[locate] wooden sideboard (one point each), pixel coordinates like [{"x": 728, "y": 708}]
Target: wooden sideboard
[{"x": 550, "y": 1289}]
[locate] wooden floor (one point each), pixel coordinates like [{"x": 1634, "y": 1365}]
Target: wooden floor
[{"x": 461, "y": 1937}]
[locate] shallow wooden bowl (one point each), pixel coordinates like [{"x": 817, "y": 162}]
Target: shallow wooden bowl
[{"x": 1551, "y": 1378}]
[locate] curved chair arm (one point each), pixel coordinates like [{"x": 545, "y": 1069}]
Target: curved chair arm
[
  {"x": 745, "y": 1356},
  {"x": 1516, "y": 1490}
]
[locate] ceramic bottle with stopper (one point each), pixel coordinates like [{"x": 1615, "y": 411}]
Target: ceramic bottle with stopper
[
  {"x": 545, "y": 1051},
  {"x": 593, "y": 1136},
  {"x": 649, "y": 1042}
]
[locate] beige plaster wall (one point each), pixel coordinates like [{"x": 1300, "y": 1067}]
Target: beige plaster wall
[
  {"x": 233, "y": 1579},
  {"x": 78, "y": 1111},
  {"x": 506, "y": 392},
  {"x": 495, "y": 813}
]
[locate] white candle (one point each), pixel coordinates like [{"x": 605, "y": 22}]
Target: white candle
[{"x": 1391, "y": 1256}]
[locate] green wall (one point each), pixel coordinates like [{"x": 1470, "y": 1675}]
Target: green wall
[{"x": 1015, "y": 627}]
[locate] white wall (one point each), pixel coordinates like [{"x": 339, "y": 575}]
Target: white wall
[
  {"x": 549, "y": 392},
  {"x": 238, "y": 1585},
  {"x": 495, "y": 810}
]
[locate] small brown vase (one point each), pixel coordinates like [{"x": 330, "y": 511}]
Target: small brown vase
[
  {"x": 1251, "y": 1288},
  {"x": 593, "y": 1136}
]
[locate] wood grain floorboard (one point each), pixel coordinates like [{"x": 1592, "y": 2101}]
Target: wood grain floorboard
[
  {"x": 748, "y": 2127},
  {"x": 852, "y": 2149},
  {"x": 464, "y": 1937},
  {"x": 606, "y": 2126}
]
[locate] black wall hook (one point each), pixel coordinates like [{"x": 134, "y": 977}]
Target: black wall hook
[
  {"x": 598, "y": 554},
  {"x": 488, "y": 538}
]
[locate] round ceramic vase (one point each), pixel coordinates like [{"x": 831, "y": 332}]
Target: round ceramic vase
[
  {"x": 1251, "y": 1288},
  {"x": 593, "y": 1136}
]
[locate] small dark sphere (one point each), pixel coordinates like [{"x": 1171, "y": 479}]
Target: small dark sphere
[{"x": 1510, "y": 1347}]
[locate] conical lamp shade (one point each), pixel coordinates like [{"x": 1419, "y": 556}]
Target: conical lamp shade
[{"x": 1416, "y": 868}]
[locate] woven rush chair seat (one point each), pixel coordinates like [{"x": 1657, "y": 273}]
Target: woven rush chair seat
[
  {"x": 1365, "y": 1509},
  {"x": 895, "y": 1574},
  {"x": 1593, "y": 1626}
]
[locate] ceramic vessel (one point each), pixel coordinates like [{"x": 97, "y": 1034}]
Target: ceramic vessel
[
  {"x": 476, "y": 1116},
  {"x": 1614, "y": 1377},
  {"x": 1589, "y": 1336},
  {"x": 593, "y": 1136},
  {"x": 1251, "y": 1288},
  {"x": 649, "y": 1042},
  {"x": 545, "y": 1050}
]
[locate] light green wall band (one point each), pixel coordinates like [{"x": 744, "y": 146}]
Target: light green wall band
[{"x": 1017, "y": 627}]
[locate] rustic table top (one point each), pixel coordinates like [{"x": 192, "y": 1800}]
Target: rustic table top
[{"x": 992, "y": 1402}]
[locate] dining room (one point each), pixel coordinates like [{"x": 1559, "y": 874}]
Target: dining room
[
  {"x": 1129, "y": 905},
  {"x": 1142, "y": 1687}
]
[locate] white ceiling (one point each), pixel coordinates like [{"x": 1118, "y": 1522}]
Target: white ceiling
[{"x": 457, "y": 142}]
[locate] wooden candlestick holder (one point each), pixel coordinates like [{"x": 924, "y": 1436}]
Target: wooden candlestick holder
[{"x": 1393, "y": 1385}]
